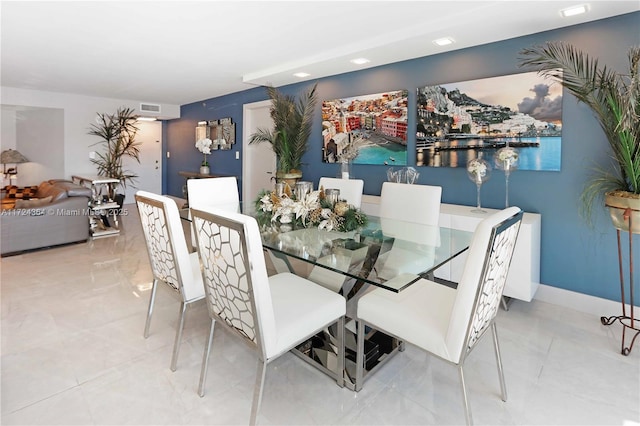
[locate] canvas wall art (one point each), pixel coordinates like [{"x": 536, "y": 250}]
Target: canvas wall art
[
  {"x": 457, "y": 122},
  {"x": 366, "y": 129}
]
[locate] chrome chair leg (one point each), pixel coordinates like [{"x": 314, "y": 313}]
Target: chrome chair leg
[
  {"x": 359, "y": 355},
  {"x": 467, "y": 406},
  {"x": 257, "y": 391},
  {"x": 496, "y": 345},
  {"x": 340, "y": 354},
  {"x": 176, "y": 344},
  {"x": 152, "y": 301},
  {"x": 205, "y": 360}
]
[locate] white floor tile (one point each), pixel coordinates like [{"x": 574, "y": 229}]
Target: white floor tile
[{"x": 73, "y": 353}]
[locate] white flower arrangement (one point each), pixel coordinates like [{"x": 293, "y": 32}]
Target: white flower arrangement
[
  {"x": 204, "y": 146},
  {"x": 311, "y": 210},
  {"x": 507, "y": 157},
  {"x": 477, "y": 168}
]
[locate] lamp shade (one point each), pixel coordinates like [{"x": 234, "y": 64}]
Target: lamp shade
[{"x": 11, "y": 156}]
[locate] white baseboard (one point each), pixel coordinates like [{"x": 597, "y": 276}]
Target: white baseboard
[{"x": 580, "y": 302}]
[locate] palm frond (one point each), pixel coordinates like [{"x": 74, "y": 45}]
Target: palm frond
[
  {"x": 292, "y": 121},
  {"x": 614, "y": 99}
]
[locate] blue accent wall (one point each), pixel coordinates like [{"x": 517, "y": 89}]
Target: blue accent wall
[{"x": 574, "y": 256}]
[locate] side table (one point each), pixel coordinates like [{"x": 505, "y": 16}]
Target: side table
[{"x": 101, "y": 207}]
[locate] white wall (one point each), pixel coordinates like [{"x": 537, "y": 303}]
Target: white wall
[{"x": 79, "y": 113}]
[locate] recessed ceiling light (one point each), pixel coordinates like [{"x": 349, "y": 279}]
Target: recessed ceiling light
[
  {"x": 444, "y": 41},
  {"x": 146, "y": 119},
  {"x": 574, "y": 10},
  {"x": 359, "y": 61},
  {"x": 301, "y": 74}
]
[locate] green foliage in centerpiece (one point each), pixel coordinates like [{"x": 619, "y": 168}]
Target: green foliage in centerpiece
[{"x": 313, "y": 210}]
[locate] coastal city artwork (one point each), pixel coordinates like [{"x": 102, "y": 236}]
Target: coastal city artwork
[
  {"x": 366, "y": 129},
  {"x": 461, "y": 121}
]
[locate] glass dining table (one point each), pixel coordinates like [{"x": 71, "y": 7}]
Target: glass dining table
[{"x": 386, "y": 253}]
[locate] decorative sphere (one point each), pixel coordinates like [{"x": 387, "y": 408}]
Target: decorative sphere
[
  {"x": 478, "y": 170},
  {"x": 506, "y": 158}
]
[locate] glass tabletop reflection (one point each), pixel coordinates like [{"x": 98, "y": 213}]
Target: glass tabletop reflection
[{"x": 387, "y": 253}]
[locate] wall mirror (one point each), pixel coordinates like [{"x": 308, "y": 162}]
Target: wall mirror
[{"x": 222, "y": 133}]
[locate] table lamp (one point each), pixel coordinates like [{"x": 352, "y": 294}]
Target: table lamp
[{"x": 11, "y": 156}]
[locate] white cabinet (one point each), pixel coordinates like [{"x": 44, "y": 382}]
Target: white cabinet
[{"x": 524, "y": 275}]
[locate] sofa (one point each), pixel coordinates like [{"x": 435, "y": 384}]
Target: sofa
[{"x": 54, "y": 213}]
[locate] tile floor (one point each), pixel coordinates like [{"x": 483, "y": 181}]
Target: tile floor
[{"x": 73, "y": 353}]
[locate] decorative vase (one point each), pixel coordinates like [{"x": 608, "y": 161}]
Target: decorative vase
[
  {"x": 506, "y": 159},
  {"x": 204, "y": 170},
  {"x": 478, "y": 171},
  {"x": 290, "y": 178},
  {"x": 345, "y": 169},
  {"x": 624, "y": 207}
]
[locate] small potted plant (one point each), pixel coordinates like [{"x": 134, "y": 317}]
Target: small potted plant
[
  {"x": 204, "y": 146},
  {"x": 614, "y": 99},
  {"x": 118, "y": 133},
  {"x": 292, "y": 120}
]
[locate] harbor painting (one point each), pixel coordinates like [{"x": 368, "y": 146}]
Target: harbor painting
[
  {"x": 460, "y": 121},
  {"x": 366, "y": 129}
]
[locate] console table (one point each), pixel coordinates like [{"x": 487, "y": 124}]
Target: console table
[{"x": 524, "y": 275}]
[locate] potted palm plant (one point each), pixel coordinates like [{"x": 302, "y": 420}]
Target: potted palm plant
[
  {"x": 289, "y": 138},
  {"x": 118, "y": 133},
  {"x": 614, "y": 99}
]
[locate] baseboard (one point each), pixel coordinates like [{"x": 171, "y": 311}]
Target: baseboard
[{"x": 580, "y": 302}]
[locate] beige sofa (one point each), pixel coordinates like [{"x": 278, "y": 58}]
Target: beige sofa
[{"x": 56, "y": 215}]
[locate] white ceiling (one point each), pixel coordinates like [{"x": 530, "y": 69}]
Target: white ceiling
[{"x": 179, "y": 52}]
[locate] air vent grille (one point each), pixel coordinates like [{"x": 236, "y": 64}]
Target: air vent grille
[{"x": 149, "y": 108}]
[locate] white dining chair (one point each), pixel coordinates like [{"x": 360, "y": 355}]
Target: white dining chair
[
  {"x": 350, "y": 189},
  {"x": 444, "y": 321},
  {"x": 219, "y": 192},
  {"x": 401, "y": 202},
  {"x": 411, "y": 203},
  {"x": 272, "y": 314},
  {"x": 171, "y": 262}
]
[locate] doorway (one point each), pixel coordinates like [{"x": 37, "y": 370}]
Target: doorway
[{"x": 258, "y": 160}]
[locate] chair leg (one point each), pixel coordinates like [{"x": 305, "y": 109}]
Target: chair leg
[
  {"x": 152, "y": 301},
  {"x": 257, "y": 391},
  {"x": 496, "y": 345},
  {"x": 205, "y": 360},
  {"x": 359, "y": 355},
  {"x": 340, "y": 364},
  {"x": 467, "y": 406},
  {"x": 176, "y": 344}
]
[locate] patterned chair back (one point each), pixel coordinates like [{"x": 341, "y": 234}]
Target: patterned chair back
[
  {"x": 234, "y": 274},
  {"x": 485, "y": 275},
  {"x": 166, "y": 245}
]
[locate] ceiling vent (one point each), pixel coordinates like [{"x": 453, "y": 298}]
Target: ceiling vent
[{"x": 150, "y": 108}]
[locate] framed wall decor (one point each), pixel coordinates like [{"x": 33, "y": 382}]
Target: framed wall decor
[
  {"x": 460, "y": 121},
  {"x": 366, "y": 129}
]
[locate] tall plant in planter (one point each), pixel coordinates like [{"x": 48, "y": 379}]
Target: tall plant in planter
[
  {"x": 614, "y": 99},
  {"x": 118, "y": 133},
  {"x": 289, "y": 138}
]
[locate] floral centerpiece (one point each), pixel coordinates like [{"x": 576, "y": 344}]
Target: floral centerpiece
[
  {"x": 204, "y": 146},
  {"x": 312, "y": 210}
]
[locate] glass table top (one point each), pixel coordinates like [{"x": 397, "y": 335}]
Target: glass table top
[{"x": 387, "y": 253}]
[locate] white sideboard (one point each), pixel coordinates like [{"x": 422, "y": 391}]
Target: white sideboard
[{"x": 524, "y": 275}]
